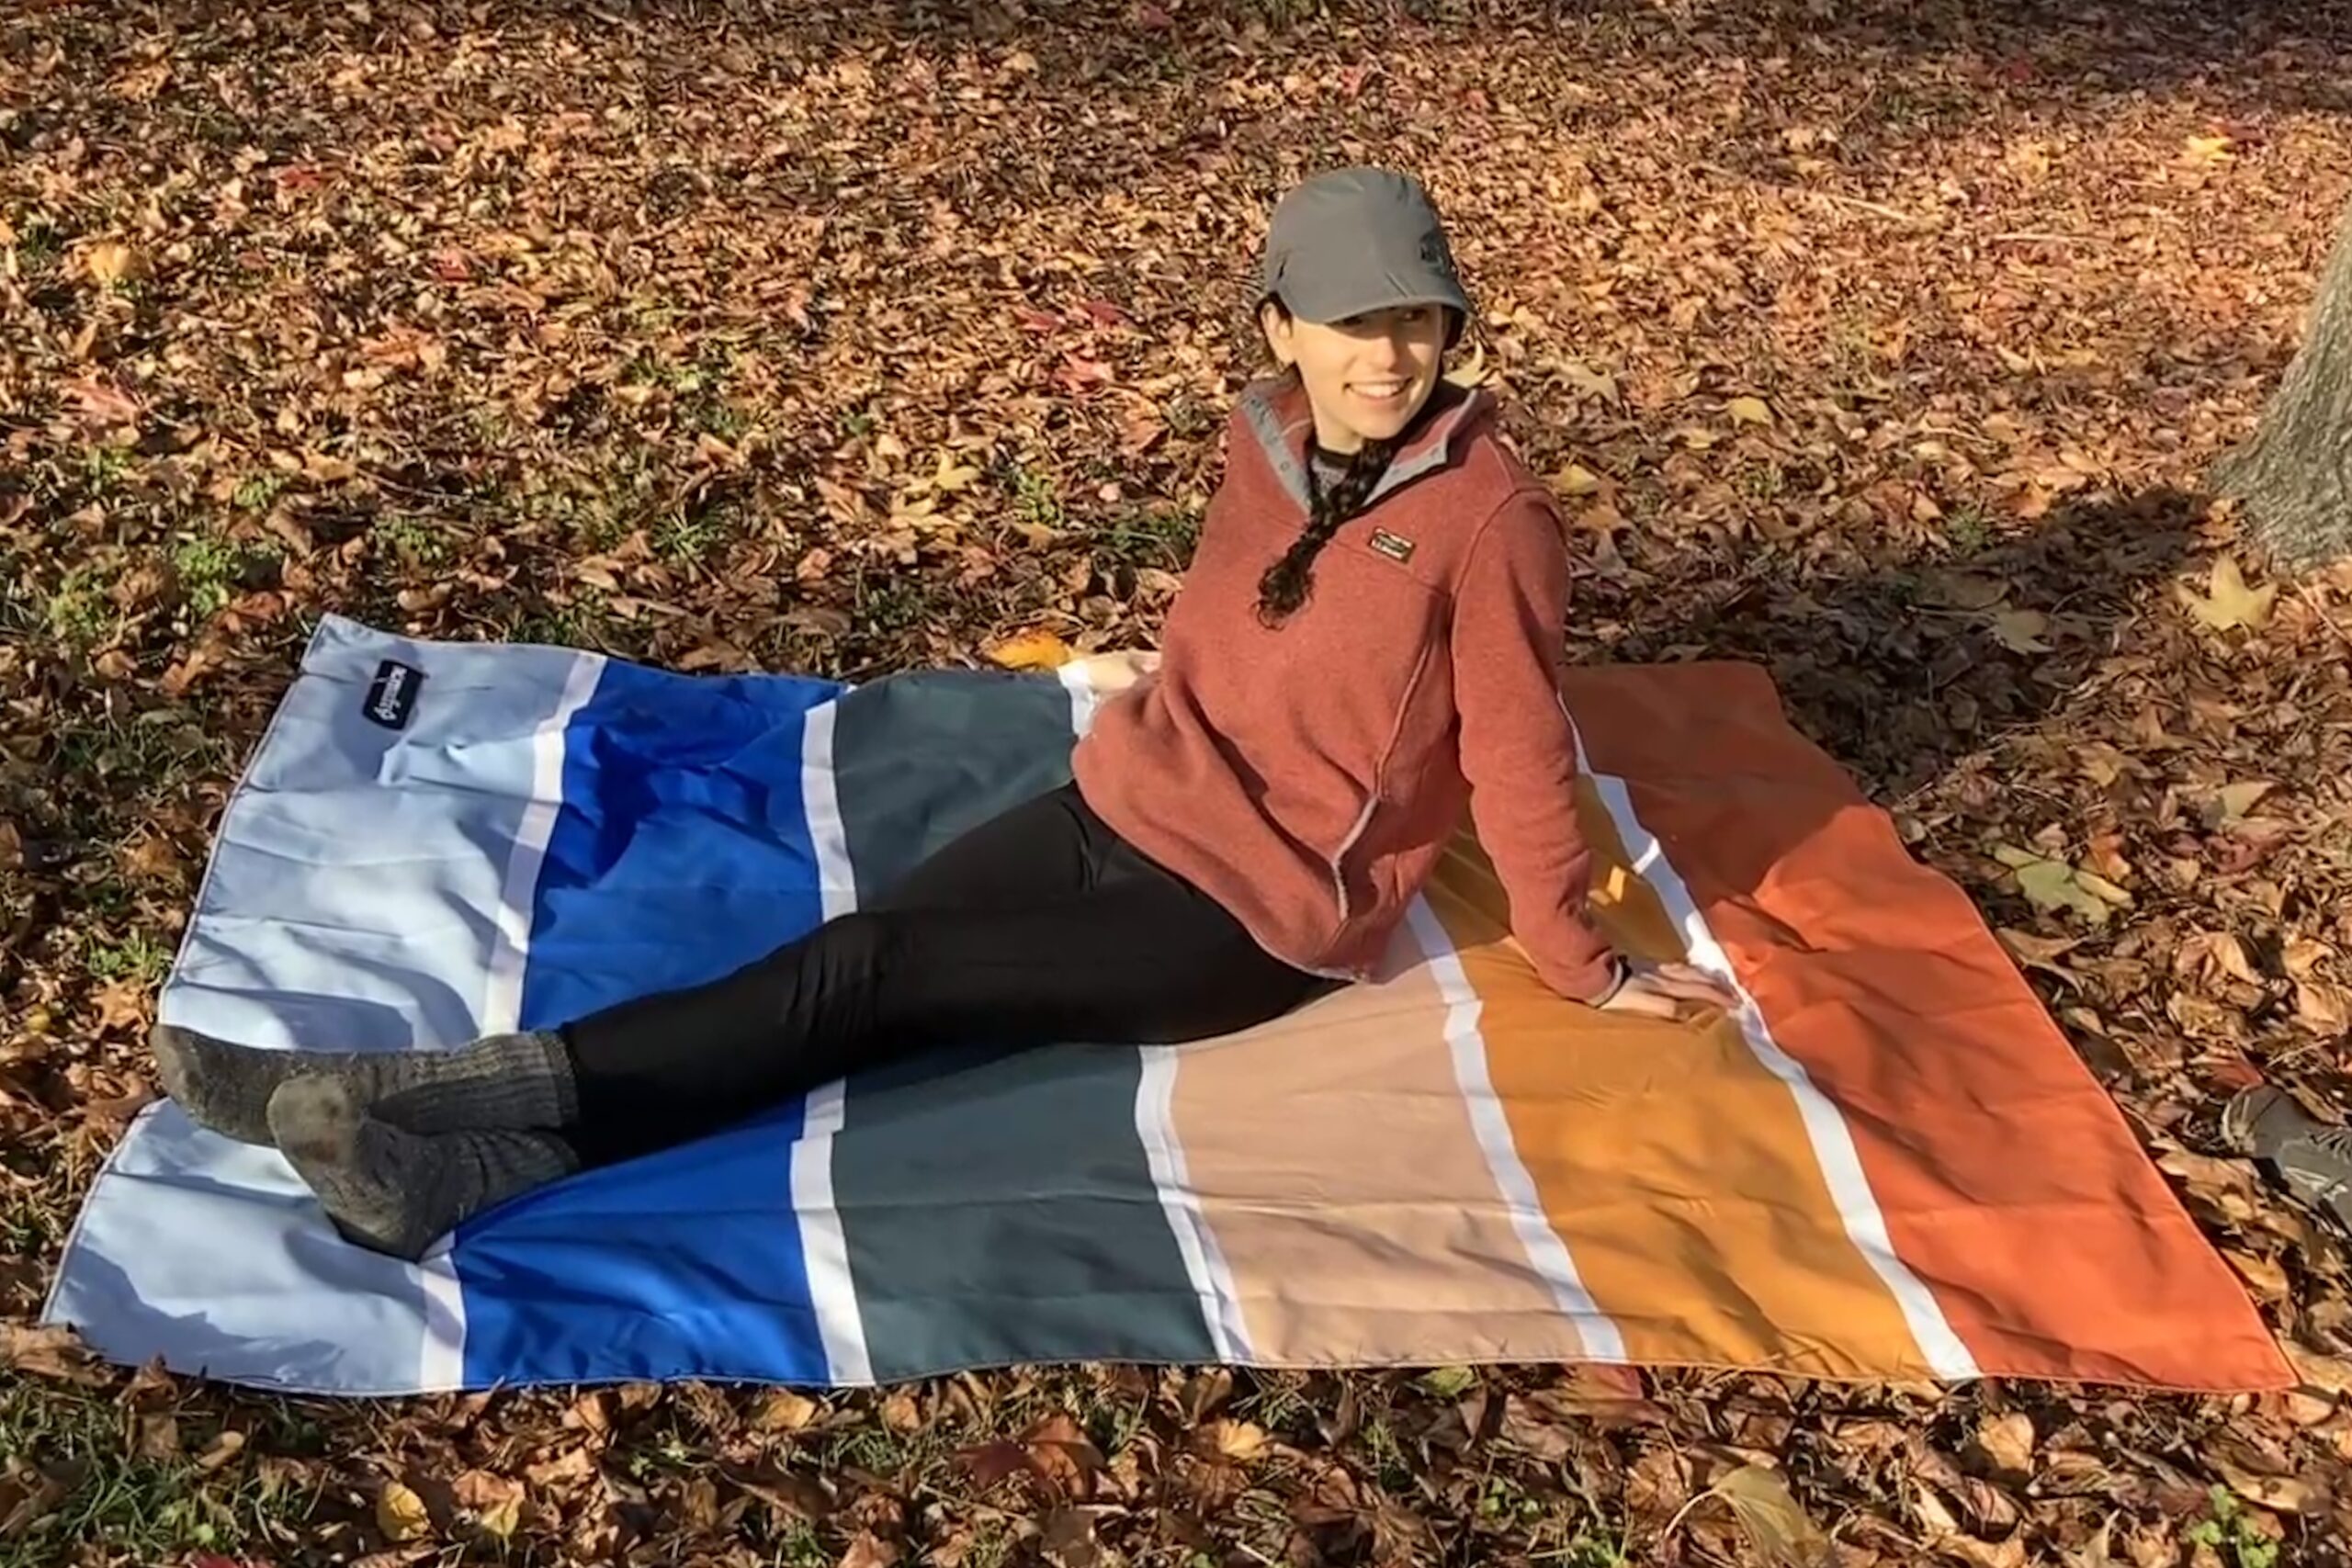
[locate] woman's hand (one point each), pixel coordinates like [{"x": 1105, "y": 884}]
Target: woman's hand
[{"x": 1669, "y": 990}]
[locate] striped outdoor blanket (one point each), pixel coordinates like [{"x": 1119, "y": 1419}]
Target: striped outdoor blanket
[{"x": 1889, "y": 1163}]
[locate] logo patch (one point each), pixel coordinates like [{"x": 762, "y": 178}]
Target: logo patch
[
  {"x": 1394, "y": 547},
  {"x": 391, "y": 695}
]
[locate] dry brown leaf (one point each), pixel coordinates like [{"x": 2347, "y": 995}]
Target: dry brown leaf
[
  {"x": 2008, "y": 1442},
  {"x": 2321, "y": 1007},
  {"x": 2020, "y": 631},
  {"x": 2265, "y": 1277},
  {"x": 1776, "y": 1523},
  {"x": 1749, "y": 410},
  {"x": 867, "y": 1550},
  {"x": 782, "y": 1410},
  {"x": 48, "y": 1350}
]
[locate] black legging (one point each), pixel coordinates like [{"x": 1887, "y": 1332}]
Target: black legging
[{"x": 1040, "y": 926}]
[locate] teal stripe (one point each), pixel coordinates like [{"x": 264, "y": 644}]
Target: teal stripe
[{"x": 1001, "y": 1210}]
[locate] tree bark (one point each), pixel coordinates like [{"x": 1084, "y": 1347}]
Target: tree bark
[{"x": 2295, "y": 474}]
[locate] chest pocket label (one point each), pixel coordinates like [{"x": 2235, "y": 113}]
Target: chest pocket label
[{"x": 1395, "y": 547}]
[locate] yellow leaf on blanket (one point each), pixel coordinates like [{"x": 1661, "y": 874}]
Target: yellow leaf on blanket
[{"x": 1031, "y": 651}]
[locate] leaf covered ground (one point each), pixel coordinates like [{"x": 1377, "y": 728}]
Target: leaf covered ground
[{"x": 1887, "y": 344}]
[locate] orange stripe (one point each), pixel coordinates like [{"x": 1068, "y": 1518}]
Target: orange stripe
[
  {"x": 1338, "y": 1169},
  {"x": 2008, "y": 1180},
  {"x": 1673, "y": 1165}
]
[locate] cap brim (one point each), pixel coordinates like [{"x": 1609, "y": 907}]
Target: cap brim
[{"x": 1342, "y": 298}]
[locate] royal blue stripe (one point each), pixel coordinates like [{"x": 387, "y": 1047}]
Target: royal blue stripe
[{"x": 680, "y": 852}]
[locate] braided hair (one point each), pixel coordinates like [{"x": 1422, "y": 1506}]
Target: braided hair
[{"x": 1288, "y": 582}]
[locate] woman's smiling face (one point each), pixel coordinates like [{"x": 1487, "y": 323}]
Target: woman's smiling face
[{"x": 1367, "y": 376}]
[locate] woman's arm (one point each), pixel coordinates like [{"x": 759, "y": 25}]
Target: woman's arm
[{"x": 1518, "y": 751}]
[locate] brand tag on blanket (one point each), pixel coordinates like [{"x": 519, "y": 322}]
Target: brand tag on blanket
[
  {"x": 1394, "y": 547},
  {"x": 391, "y": 695}
]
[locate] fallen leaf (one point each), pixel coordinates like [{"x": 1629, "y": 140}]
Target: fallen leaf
[
  {"x": 100, "y": 403},
  {"x": 1781, "y": 1531},
  {"x": 1749, "y": 410},
  {"x": 952, "y": 476},
  {"x": 1576, "y": 480},
  {"x": 900, "y": 1413},
  {"x": 2228, "y": 602},
  {"x": 867, "y": 1550},
  {"x": 495, "y": 1501},
  {"x": 2232, "y": 801},
  {"x": 399, "y": 1513},
  {"x": 2052, "y": 885},
  {"x": 1448, "y": 1382},
  {"x": 1471, "y": 372},
  {"x": 2038, "y": 951},
  {"x": 109, "y": 262},
  {"x": 47, "y": 1350},
  {"x": 2007, "y": 1441},
  {"x": 2322, "y": 1008},
  {"x": 2265, "y": 1277},
  {"x": 2215, "y": 149},
  {"x": 1964, "y": 590},
  {"x": 1589, "y": 382},
  {"x": 782, "y": 1410},
  {"x": 2020, "y": 631},
  {"x": 1031, "y": 651},
  {"x": 1239, "y": 1442},
  {"x": 2288, "y": 1494}
]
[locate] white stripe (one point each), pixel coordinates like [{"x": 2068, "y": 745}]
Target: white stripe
[
  {"x": 1204, "y": 1262},
  {"x": 501, "y": 1000},
  {"x": 1083, "y": 698},
  {"x": 825, "y": 1243},
  {"x": 1825, "y": 1125},
  {"x": 821, "y": 799},
  {"x": 1547, "y": 1251},
  {"x": 441, "y": 1358}
]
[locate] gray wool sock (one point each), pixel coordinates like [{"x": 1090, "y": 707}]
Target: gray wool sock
[
  {"x": 395, "y": 1192},
  {"x": 504, "y": 1080}
]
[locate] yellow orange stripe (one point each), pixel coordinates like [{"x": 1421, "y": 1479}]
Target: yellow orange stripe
[{"x": 1675, "y": 1168}]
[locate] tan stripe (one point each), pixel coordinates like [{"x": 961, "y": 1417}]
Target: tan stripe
[
  {"x": 1339, "y": 1172},
  {"x": 1673, "y": 1165}
]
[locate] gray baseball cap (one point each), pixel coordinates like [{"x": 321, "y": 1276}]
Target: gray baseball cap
[{"x": 1354, "y": 241}]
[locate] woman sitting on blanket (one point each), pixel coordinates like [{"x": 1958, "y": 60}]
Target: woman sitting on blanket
[{"x": 1368, "y": 636}]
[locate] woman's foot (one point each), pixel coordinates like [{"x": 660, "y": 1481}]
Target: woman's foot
[
  {"x": 395, "y": 1192},
  {"x": 505, "y": 1080},
  {"x": 2313, "y": 1159}
]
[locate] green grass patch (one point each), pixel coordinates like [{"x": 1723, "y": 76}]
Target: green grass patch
[
  {"x": 87, "y": 1480},
  {"x": 77, "y": 612}
]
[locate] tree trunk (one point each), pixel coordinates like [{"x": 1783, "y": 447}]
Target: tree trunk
[{"x": 2295, "y": 475}]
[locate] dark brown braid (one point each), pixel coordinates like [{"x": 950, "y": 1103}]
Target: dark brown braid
[{"x": 1288, "y": 581}]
